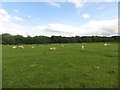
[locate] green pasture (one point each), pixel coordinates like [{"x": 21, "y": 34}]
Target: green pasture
[{"x": 66, "y": 67}]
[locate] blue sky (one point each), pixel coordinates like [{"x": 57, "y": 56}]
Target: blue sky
[{"x": 39, "y": 16}]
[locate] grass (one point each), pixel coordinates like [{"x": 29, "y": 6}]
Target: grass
[{"x": 66, "y": 67}]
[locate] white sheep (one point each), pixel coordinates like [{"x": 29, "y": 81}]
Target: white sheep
[
  {"x": 50, "y": 48},
  {"x": 106, "y": 44},
  {"x": 53, "y": 48},
  {"x": 33, "y": 47},
  {"x": 82, "y": 47},
  {"x": 32, "y": 65},
  {"x": 21, "y": 46},
  {"x": 14, "y": 47},
  {"x": 97, "y": 67},
  {"x": 62, "y": 45}
]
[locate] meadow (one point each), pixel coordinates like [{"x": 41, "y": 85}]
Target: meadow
[{"x": 66, "y": 67}]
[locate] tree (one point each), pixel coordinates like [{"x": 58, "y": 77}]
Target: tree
[
  {"x": 19, "y": 39},
  {"x": 8, "y": 39}
]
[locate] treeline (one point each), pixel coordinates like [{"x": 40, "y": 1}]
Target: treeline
[{"x": 19, "y": 39}]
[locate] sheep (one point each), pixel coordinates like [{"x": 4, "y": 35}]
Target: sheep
[
  {"x": 33, "y": 47},
  {"x": 32, "y": 65},
  {"x": 14, "y": 47},
  {"x": 21, "y": 47},
  {"x": 53, "y": 48},
  {"x": 106, "y": 44},
  {"x": 50, "y": 48},
  {"x": 62, "y": 45},
  {"x": 82, "y": 47},
  {"x": 97, "y": 67}
]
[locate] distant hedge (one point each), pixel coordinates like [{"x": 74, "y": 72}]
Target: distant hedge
[{"x": 19, "y": 39}]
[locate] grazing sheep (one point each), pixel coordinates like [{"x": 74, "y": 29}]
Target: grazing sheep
[
  {"x": 33, "y": 47},
  {"x": 82, "y": 47},
  {"x": 53, "y": 48},
  {"x": 32, "y": 65},
  {"x": 97, "y": 67},
  {"x": 106, "y": 44},
  {"x": 14, "y": 47},
  {"x": 22, "y": 47},
  {"x": 62, "y": 45}
]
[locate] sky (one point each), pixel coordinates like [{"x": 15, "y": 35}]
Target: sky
[{"x": 73, "y": 18}]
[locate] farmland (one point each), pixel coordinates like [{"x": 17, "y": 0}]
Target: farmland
[{"x": 66, "y": 67}]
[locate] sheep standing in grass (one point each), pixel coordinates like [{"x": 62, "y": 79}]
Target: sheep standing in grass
[
  {"x": 62, "y": 45},
  {"x": 97, "y": 67},
  {"x": 14, "y": 47},
  {"x": 22, "y": 47},
  {"x": 82, "y": 47},
  {"x": 53, "y": 48},
  {"x": 33, "y": 47},
  {"x": 106, "y": 44}
]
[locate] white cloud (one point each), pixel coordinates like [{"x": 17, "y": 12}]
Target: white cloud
[
  {"x": 7, "y": 25},
  {"x": 15, "y": 10},
  {"x": 55, "y": 4},
  {"x": 4, "y": 16},
  {"x": 18, "y": 18},
  {"x": 78, "y": 3},
  {"x": 106, "y": 27},
  {"x": 86, "y": 16},
  {"x": 13, "y": 29}
]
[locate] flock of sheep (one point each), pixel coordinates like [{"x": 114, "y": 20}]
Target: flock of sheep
[
  {"x": 53, "y": 48},
  {"x": 20, "y": 46},
  {"x": 107, "y": 44}
]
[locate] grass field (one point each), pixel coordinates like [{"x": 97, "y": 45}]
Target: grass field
[{"x": 66, "y": 67}]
